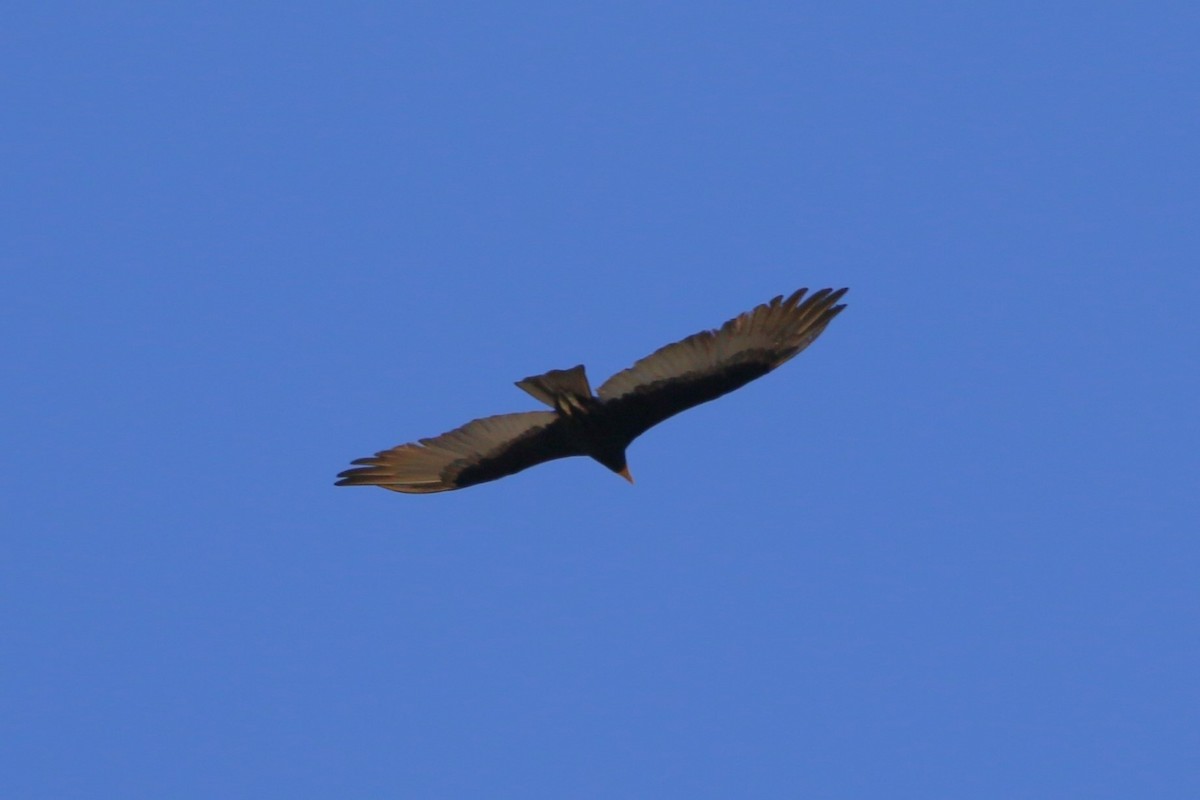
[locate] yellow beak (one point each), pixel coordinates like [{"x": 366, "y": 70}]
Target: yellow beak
[{"x": 624, "y": 473}]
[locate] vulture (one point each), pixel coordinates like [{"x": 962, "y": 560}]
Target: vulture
[{"x": 677, "y": 377}]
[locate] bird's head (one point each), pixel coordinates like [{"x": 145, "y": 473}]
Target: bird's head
[{"x": 616, "y": 462}]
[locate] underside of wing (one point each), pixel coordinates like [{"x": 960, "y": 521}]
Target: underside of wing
[
  {"x": 709, "y": 364},
  {"x": 480, "y": 451}
]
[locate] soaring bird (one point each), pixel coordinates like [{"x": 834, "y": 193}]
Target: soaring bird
[{"x": 677, "y": 377}]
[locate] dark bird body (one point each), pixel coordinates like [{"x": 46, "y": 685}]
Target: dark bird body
[{"x": 675, "y": 378}]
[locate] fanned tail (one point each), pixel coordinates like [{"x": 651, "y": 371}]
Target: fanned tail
[{"x": 557, "y": 386}]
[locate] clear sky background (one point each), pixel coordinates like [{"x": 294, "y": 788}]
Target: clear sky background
[{"x": 951, "y": 551}]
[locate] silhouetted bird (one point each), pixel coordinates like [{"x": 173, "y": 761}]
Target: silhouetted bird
[{"x": 690, "y": 372}]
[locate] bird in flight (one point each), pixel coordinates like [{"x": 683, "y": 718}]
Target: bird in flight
[{"x": 675, "y": 378}]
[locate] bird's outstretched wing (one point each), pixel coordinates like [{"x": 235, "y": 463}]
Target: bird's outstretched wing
[
  {"x": 709, "y": 364},
  {"x": 482, "y": 450}
]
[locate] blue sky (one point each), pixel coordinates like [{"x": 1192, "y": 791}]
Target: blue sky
[{"x": 950, "y": 551}]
